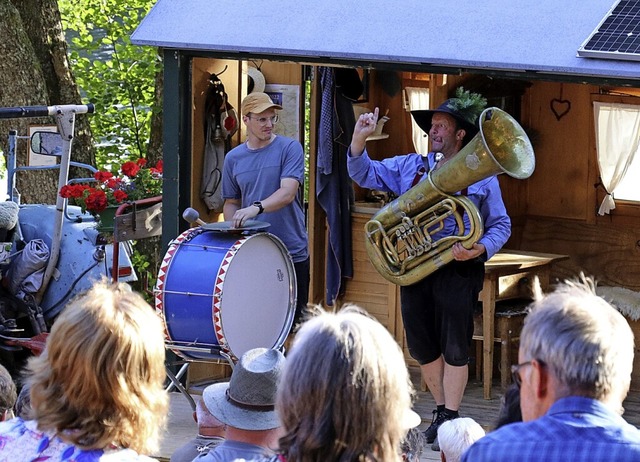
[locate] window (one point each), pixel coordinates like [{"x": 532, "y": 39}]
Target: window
[
  {"x": 617, "y": 128},
  {"x": 628, "y": 187}
]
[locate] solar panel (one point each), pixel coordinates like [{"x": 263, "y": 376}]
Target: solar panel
[{"x": 618, "y": 34}]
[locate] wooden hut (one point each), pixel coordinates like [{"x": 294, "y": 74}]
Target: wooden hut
[{"x": 524, "y": 58}]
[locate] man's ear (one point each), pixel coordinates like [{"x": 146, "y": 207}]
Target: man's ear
[
  {"x": 540, "y": 379},
  {"x": 460, "y": 134}
]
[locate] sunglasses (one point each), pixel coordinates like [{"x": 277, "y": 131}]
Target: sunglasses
[{"x": 515, "y": 371}]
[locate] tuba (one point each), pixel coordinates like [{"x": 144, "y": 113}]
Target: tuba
[{"x": 399, "y": 238}]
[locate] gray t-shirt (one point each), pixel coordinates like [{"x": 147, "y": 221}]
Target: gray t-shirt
[
  {"x": 254, "y": 174},
  {"x": 200, "y": 445}
]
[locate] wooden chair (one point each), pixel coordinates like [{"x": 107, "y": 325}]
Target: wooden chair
[{"x": 509, "y": 316}]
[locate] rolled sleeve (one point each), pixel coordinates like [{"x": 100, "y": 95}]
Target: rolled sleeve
[{"x": 497, "y": 224}]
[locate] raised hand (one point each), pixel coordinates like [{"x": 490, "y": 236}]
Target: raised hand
[{"x": 365, "y": 126}]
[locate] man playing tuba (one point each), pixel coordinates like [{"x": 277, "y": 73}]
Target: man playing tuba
[{"x": 437, "y": 311}]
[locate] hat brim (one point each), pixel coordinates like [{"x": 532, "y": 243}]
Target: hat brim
[
  {"x": 411, "y": 419},
  {"x": 215, "y": 399},
  {"x": 423, "y": 118}
]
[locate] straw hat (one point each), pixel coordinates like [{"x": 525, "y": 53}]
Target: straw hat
[{"x": 247, "y": 401}]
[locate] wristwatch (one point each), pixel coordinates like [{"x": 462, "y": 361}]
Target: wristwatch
[{"x": 259, "y": 205}]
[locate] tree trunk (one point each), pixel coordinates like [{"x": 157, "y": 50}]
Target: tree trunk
[
  {"x": 35, "y": 71},
  {"x": 155, "y": 135}
]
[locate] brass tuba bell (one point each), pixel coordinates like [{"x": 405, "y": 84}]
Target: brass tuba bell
[{"x": 399, "y": 239}]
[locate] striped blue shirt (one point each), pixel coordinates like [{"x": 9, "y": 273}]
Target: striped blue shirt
[{"x": 574, "y": 429}]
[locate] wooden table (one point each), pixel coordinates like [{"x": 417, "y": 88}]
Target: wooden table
[{"x": 508, "y": 274}]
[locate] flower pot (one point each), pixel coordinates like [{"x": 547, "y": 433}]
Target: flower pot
[{"x": 107, "y": 219}]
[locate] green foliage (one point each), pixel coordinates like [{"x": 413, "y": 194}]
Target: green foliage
[
  {"x": 119, "y": 78},
  {"x": 116, "y": 76},
  {"x": 468, "y": 105}
]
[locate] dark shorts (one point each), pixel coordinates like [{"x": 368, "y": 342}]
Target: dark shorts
[
  {"x": 437, "y": 312},
  {"x": 302, "y": 270}
]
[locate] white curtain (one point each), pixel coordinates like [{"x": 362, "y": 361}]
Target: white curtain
[
  {"x": 418, "y": 98},
  {"x": 617, "y": 140}
]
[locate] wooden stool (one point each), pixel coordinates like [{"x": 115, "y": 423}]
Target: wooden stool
[{"x": 510, "y": 315}]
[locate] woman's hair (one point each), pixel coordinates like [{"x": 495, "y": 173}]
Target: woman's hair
[
  {"x": 345, "y": 391},
  {"x": 100, "y": 379}
]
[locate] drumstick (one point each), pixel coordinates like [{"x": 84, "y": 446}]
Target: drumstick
[{"x": 192, "y": 215}]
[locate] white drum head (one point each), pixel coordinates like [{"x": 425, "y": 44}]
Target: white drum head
[{"x": 258, "y": 295}]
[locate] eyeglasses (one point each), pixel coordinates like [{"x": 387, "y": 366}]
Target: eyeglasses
[
  {"x": 265, "y": 120},
  {"x": 515, "y": 372}
]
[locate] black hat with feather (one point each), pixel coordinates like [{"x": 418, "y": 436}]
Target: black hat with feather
[{"x": 466, "y": 108}]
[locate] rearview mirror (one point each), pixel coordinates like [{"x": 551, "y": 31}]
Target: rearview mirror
[{"x": 46, "y": 143}]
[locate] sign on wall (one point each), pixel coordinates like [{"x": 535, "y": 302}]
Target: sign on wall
[{"x": 287, "y": 96}]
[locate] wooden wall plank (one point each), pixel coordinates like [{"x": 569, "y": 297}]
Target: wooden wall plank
[{"x": 610, "y": 253}]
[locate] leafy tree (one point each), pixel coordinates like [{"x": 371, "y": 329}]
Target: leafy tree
[
  {"x": 125, "y": 83},
  {"x": 118, "y": 77}
]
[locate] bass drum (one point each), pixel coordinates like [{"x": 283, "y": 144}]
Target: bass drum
[{"x": 222, "y": 294}]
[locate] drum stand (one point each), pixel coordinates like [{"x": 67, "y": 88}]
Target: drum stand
[{"x": 185, "y": 362}]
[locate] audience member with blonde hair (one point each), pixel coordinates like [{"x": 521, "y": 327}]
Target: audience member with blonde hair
[
  {"x": 455, "y": 436},
  {"x": 97, "y": 390},
  {"x": 574, "y": 372},
  {"x": 345, "y": 393}
]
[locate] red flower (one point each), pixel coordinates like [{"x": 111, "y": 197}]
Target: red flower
[
  {"x": 130, "y": 182},
  {"x": 102, "y": 176},
  {"x": 130, "y": 169},
  {"x": 71, "y": 191},
  {"x": 96, "y": 201},
  {"x": 113, "y": 183},
  {"x": 120, "y": 196},
  {"x": 158, "y": 168}
]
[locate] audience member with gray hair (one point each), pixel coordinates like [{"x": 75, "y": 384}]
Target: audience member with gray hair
[
  {"x": 211, "y": 433},
  {"x": 574, "y": 371},
  {"x": 412, "y": 445},
  {"x": 246, "y": 405},
  {"x": 23, "y": 403},
  {"x": 456, "y": 436}
]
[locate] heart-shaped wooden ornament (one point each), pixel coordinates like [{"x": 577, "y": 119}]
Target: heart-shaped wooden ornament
[{"x": 560, "y": 107}]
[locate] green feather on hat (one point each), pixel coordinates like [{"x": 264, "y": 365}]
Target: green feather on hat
[{"x": 468, "y": 105}]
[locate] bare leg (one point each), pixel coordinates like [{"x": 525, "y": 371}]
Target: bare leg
[
  {"x": 433, "y": 374},
  {"x": 454, "y": 382}
]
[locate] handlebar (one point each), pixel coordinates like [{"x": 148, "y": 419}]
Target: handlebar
[{"x": 41, "y": 111}]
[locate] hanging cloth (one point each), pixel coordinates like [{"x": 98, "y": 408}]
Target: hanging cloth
[{"x": 339, "y": 87}]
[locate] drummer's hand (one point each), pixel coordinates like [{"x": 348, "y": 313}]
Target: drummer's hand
[{"x": 242, "y": 215}]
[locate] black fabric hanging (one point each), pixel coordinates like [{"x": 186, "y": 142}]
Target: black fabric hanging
[
  {"x": 221, "y": 122},
  {"x": 334, "y": 187}
]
